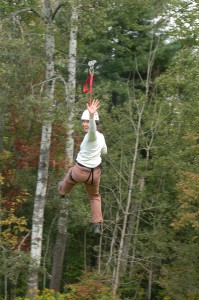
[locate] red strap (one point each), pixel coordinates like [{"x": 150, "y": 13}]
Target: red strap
[{"x": 89, "y": 81}]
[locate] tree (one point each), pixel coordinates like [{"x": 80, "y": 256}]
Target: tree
[
  {"x": 180, "y": 83},
  {"x": 59, "y": 249},
  {"x": 14, "y": 233},
  {"x": 40, "y": 195}
]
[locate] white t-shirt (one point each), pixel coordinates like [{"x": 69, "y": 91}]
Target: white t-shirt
[{"x": 92, "y": 146}]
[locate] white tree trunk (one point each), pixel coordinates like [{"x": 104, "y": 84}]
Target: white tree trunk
[
  {"x": 42, "y": 178},
  {"x": 39, "y": 204},
  {"x": 69, "y": 150},
  {"x": 60, "y": 243}
]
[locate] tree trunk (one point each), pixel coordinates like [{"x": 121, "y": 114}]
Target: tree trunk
[
  {"x": 39, "y": 205},
  {"x": 2, "y": 126},
  {"x": 60, "y": 243},
  {"x": 134, "y": 214},
  {"x": 115, "y": 228},
  {"x": 127, "y": 209},
  {"x": 42, "y": 178},
  {"x": 150, "y": 281}
]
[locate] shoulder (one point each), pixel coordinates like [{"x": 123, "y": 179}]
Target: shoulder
[{"x": 100, "y": 136}]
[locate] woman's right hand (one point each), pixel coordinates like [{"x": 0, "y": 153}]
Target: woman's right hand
[{"x": 93, "y": 107}]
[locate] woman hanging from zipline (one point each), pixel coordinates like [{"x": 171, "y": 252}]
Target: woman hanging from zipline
[{"x": 87, "y": 169}]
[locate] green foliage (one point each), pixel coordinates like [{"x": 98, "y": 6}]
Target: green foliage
[
  {"x": 13, "y": 225},
  {"x": 14, "y": 270},
  {"x": 179, "y": 89},
  {"x": 164, "y": 235},
  {"x": 46, "y": 294},
  {"x": 91, "y": 286},
  {"x": 9, "y": 6},
  {"x": 180, "y": 277},
  {"x": 184, "y": 27}
]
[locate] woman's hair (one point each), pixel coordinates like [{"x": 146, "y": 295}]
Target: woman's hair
[{"x": 99, "y": 128}]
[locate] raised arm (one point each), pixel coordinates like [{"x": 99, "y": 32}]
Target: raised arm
[{"x": 92, "y": 108}]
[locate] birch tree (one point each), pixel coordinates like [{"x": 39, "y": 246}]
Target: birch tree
[
  {"x": 47, "y": 15},
  {"x": 42, "y": 178},
  {"x": 59, "y": 249}
]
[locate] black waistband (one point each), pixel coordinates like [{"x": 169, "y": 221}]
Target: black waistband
[
  {"x": 82, "y": 165},
  {"x": 100, "y": 166}
]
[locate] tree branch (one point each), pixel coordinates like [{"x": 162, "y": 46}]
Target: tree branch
[
  {"x": 28, "y": 10},
  {"x": 23, "y": 240},
  {"x": 57, "y": 9}
]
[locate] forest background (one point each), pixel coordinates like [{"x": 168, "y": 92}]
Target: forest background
[{"x": 146, "y": 77}]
